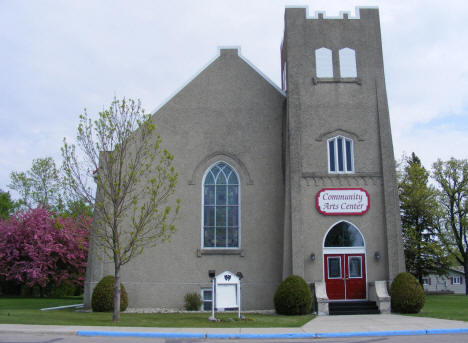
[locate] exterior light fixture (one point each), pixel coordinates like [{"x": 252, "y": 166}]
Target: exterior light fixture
[
  {"x": 377, "y": 255},
  {"x": 239, "y": 275},
  {"x": 312, "y": 257},
  {"x": 211, "y": 273}
]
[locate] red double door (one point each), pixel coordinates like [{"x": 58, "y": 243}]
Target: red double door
[{"x": 345, "y": 276}]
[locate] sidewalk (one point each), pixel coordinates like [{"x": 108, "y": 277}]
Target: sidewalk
[{"x": 324, "y": 326}]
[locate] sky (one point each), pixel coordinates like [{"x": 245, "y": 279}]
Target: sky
[{"x": 58, "y": 57}]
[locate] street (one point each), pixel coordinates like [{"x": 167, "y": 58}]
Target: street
[{"x": 49, "y": 338}]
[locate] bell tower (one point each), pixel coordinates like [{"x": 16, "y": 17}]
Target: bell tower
[{"x": 337, "y": 141}]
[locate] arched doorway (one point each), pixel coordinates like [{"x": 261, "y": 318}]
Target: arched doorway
[{"x": 344, "y": 262}]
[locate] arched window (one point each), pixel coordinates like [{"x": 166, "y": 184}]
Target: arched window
[
  {"x": 342, "y": 235},
  {"x": 221, "y": 205},
  {"x": 347, "y": 63},
  {"x": 323, "y": 62},
  {"x": 340, "y": 155}
]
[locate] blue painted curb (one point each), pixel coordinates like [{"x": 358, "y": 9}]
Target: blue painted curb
[
  {"x": 446, "y": 331},
  {"x": 142, "y": 334},
  {"x": 371, "y": 333},
  {"x": 261, "y": 336},
  {"x": 273, "y": 336}
]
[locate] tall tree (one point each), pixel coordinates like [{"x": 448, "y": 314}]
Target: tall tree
[
  {"x": 135, "y": 179},
  {"x": 40, "y": 185},
  {"x": 7, "y": 206},
  {"x": 452, "y": 179},
  {"x": 424, "y": 253}
]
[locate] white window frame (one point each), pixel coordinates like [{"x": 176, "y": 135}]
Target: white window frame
[
  {"x": 425, "y": 281},
  {"x": 456, "y": 280},
  {"x": 360, "y": 269},
  {"x": 203, "y": 209},
  {"x": 328, "y": 267},
  {"x": 344, "y": 155},
  {"x": 203, "y": 290}
]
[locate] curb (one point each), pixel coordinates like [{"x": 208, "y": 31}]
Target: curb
[{"x": 274, "y": 336}]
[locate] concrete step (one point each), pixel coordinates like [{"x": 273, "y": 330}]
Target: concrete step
[{"x": 353, "y": 307}]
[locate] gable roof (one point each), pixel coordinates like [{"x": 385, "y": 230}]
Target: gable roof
[{"x": 221, "y": 51}]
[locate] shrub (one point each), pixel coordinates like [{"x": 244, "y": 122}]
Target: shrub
[
  {"x": 407, "y": 294},
  {"x": 293, "y": 296},
  {"x": 102, "y": 299},
  {"x": 192, "y": 301}
]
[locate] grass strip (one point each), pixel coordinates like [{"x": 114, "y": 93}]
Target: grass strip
[{"x": 27, "y": 311}]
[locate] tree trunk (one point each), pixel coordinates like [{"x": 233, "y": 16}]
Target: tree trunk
[{"x": 116, "y": 314}]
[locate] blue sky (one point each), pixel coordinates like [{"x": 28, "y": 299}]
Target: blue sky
[{"x": 58, "y": 57}]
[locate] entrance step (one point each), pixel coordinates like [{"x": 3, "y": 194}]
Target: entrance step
[{"x": 353, "y": 307}]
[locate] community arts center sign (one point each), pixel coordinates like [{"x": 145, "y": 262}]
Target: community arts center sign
[{"x": 342, "y": 201}]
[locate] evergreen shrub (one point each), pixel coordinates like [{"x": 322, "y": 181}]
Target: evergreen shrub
[
  {"x": 293, "y": 296},
  {"x": 192, "y": 302},
  {"x": 407, "y": 294},
  {"x": 102, "y": 299}
]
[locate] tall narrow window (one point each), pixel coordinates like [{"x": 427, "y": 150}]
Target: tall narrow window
[
  {"x": 340, "y": 155},
  {"x": 323, "y": 62},
  {"x": 221, "y": 205},
  {"x": 347, "y": 63}
]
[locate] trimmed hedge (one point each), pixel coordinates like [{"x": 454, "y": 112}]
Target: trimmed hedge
[
  {"x": 407, "y": 294},
  {"x": 102, "y": 299},
  {"x": 293, "y": 296}
]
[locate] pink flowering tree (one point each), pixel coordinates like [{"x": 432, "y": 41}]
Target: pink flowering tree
[{"x": 37, "y": 249}]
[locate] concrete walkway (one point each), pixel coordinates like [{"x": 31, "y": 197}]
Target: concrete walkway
[{"x": 324, "y": 326}]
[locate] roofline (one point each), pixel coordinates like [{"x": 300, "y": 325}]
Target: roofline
[
  {"x": 340, "y": 16},
  {"x": 236, "y": 47}
]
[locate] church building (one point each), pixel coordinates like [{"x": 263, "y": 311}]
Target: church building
[{"x": 280, "y": 181}]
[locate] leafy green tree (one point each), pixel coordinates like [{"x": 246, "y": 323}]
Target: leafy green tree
[
  {"x": 7, "y": 206},
  {"x": 135, "y": 179},
  {"x": 424, "y": 253},
  {"x": 40, "y": 185},
  {"x": 452, "y": 180}
]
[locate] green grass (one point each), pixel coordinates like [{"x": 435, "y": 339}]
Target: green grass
[
  {"x": 445, "y": 307},
  {"x": 27, "y": 311}
]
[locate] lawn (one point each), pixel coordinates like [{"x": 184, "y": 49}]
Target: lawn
[
  {"x": 27, "y": 311},
  {"x": 445, "y": 307}
]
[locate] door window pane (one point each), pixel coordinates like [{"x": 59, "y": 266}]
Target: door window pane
[
  {"x": 354, "y": 265},
  {"x": 334, "y": 267}
]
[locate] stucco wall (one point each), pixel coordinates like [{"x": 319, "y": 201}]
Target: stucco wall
[{"x": 227, "y": 113}]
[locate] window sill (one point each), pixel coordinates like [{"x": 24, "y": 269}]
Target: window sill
[
  {"x": 201, "y": 252},
  {"x": 316, "y": 80}
]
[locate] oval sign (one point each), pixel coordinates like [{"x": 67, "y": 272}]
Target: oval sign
[{"x": 342, "y": 201}]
